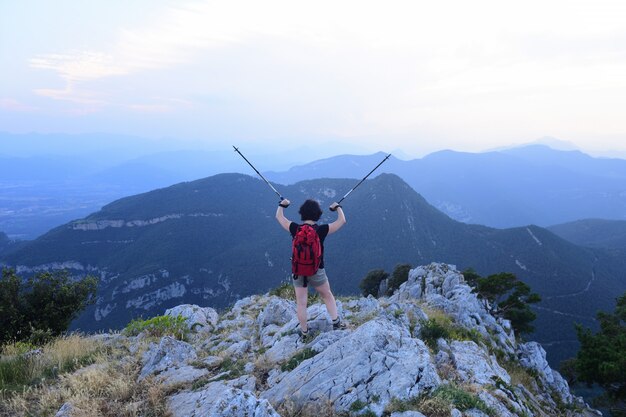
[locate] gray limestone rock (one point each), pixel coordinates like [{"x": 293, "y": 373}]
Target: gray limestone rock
[
  {"x": 247, "y": 383},
  {"x": 378, "y": 359},
  {"x": 532, "y": 356},
  {"x": 474, "y": 365},
  {"x": 238, "y": 349},
  {"x": 363, "y": 307},
  {"x": 407, "y": 414},
  {"x": 443, "y": 287},
  {"x": 66, "y": 410},
  {"x": 180, "y": 375},
  {"x": 217, "y": 399},
  {"x": 500, "y": 409},
  {"x": 277, "y": 311},
  {"x": 169, "y": 353},
  {"x": 212, "y": 361},
  {"x": 199, "y": 319},
  {"x": 473, "y": 412}
]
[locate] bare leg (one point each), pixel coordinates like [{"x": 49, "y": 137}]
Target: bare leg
[
  {"x": 301, "y": 301},
  {"x": 329, "y": 299}
]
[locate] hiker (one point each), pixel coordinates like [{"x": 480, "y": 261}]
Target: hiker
[{"x": 310, "y": 213}]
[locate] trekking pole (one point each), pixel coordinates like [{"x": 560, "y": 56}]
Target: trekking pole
[
  {"x": 260, "y": 175},
  {"x": 364, "y": 178}
]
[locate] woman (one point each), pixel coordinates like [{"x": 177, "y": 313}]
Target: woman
[{"x": 310, "y": 213}]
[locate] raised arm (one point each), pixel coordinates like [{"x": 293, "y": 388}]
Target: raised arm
[
  {"x": 280, "y": 215},
  {"x": 341, "y": 219}
]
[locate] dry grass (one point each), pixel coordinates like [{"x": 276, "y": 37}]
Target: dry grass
[
  {"x": 65, "y": 354},
  {"x": 262, "y": 368},
  {"x": 435, "y": 314},
  {"x": 435, "y": 407},
  {"x": 520, "y": 375},
  {"x": 105, "y": 388},
  {"x": 316, "y": 409}
]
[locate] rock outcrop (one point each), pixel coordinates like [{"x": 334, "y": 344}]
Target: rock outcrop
[{"x": 250, "y": 361}]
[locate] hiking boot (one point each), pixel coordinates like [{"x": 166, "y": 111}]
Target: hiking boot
[
  {"x": 304, "y": 336},
  {"x": 338, "y": 324}
]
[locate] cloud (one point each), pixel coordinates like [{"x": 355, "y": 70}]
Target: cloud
[
  {"x": 79, "y": 65},
  {"x": 11, "y": 104},
  {"x": 359, "y": 67}
]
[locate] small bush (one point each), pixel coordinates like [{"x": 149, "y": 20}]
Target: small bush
[
  {"x": 440, "y": 325},
  {"x": 371, "y": 283},
  {"x": 519, "y": 375},
  {"x": 399, "y": 276},
  {"x": 284, "y": 290},
  {"x": 432, "y": 331},
  {"x": 440, "y": 402},
  {"x": 45, "y": 303},
  {"x": 234, "y": 368},
  {"x": 297, "y": 359},
  {"x": 357, "y": 405},
  {"x": 159, "y": 326},
  {"x": 460, "y": 399}
]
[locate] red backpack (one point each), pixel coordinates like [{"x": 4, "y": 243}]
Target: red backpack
[{"x": 306, "y": 251}]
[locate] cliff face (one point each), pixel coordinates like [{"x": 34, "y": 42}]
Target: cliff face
[{"x": 430, "y": 349}]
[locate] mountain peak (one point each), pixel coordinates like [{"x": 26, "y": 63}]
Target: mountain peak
[{"x": 251, "y": 360}]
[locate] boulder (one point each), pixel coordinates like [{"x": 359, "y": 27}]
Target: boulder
[
  {"x": 169, "y": 353},
  {"x": 531, "y": 355},
  {"x": 443, "y": 287},
  {"x": 217, "y": 399},
  {"x": 181, "y": 375},
  {"x": 199, "y": 319},
  {"x": 379, "y": 359},
  {"x": 474, "y": 365},
  {"x": 277, "y": 311}
]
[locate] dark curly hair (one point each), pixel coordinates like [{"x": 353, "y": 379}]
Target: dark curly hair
[{"x": 310, "y": 210}]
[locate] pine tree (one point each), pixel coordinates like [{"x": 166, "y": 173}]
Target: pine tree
[
  {"x": 602, "y": 356},
  {"x": 506, "y": 296}
]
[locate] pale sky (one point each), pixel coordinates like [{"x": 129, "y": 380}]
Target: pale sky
[{"x": 413, "y": 75}]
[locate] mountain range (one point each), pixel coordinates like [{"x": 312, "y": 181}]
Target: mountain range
[
  {"x": 214, "y": 240},
  {"x": 48, "y": 180},
  {"x": 599, "y": 233},
  {"x": 514, "y": 187},
  {"x": 532, "y": 184}
]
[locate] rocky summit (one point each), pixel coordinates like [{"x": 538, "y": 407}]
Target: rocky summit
[{"x": 430, "y": 349}]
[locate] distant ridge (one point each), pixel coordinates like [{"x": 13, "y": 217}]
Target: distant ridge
[
  {"x": 598, "y": 233},
  {"x": 530, "y": 184},
  {"x": 214, "y": 240}
]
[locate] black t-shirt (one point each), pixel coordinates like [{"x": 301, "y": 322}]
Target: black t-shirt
[{"x": 322, "y": 232}]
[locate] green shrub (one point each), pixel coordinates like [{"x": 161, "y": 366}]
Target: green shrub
[
  {"x": 371, "y": 283},
  {"x": 234, "y": 368},
  {"x": 284, "y": 290},
  {"x": 460, "y": 399},
  {"x": 357, "y": 405},
  {"x": 507, "y": 297},
  {"x": 41, "y": 306},
  {"x": 297, "y": 359},
  {"x": 440, "y": 402},
  {"x": 440, "y": 325},
  {"x": 399, "y": 276},
  {"x": 159, "y": 326},
  {"x": 432, "y": 331}
]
